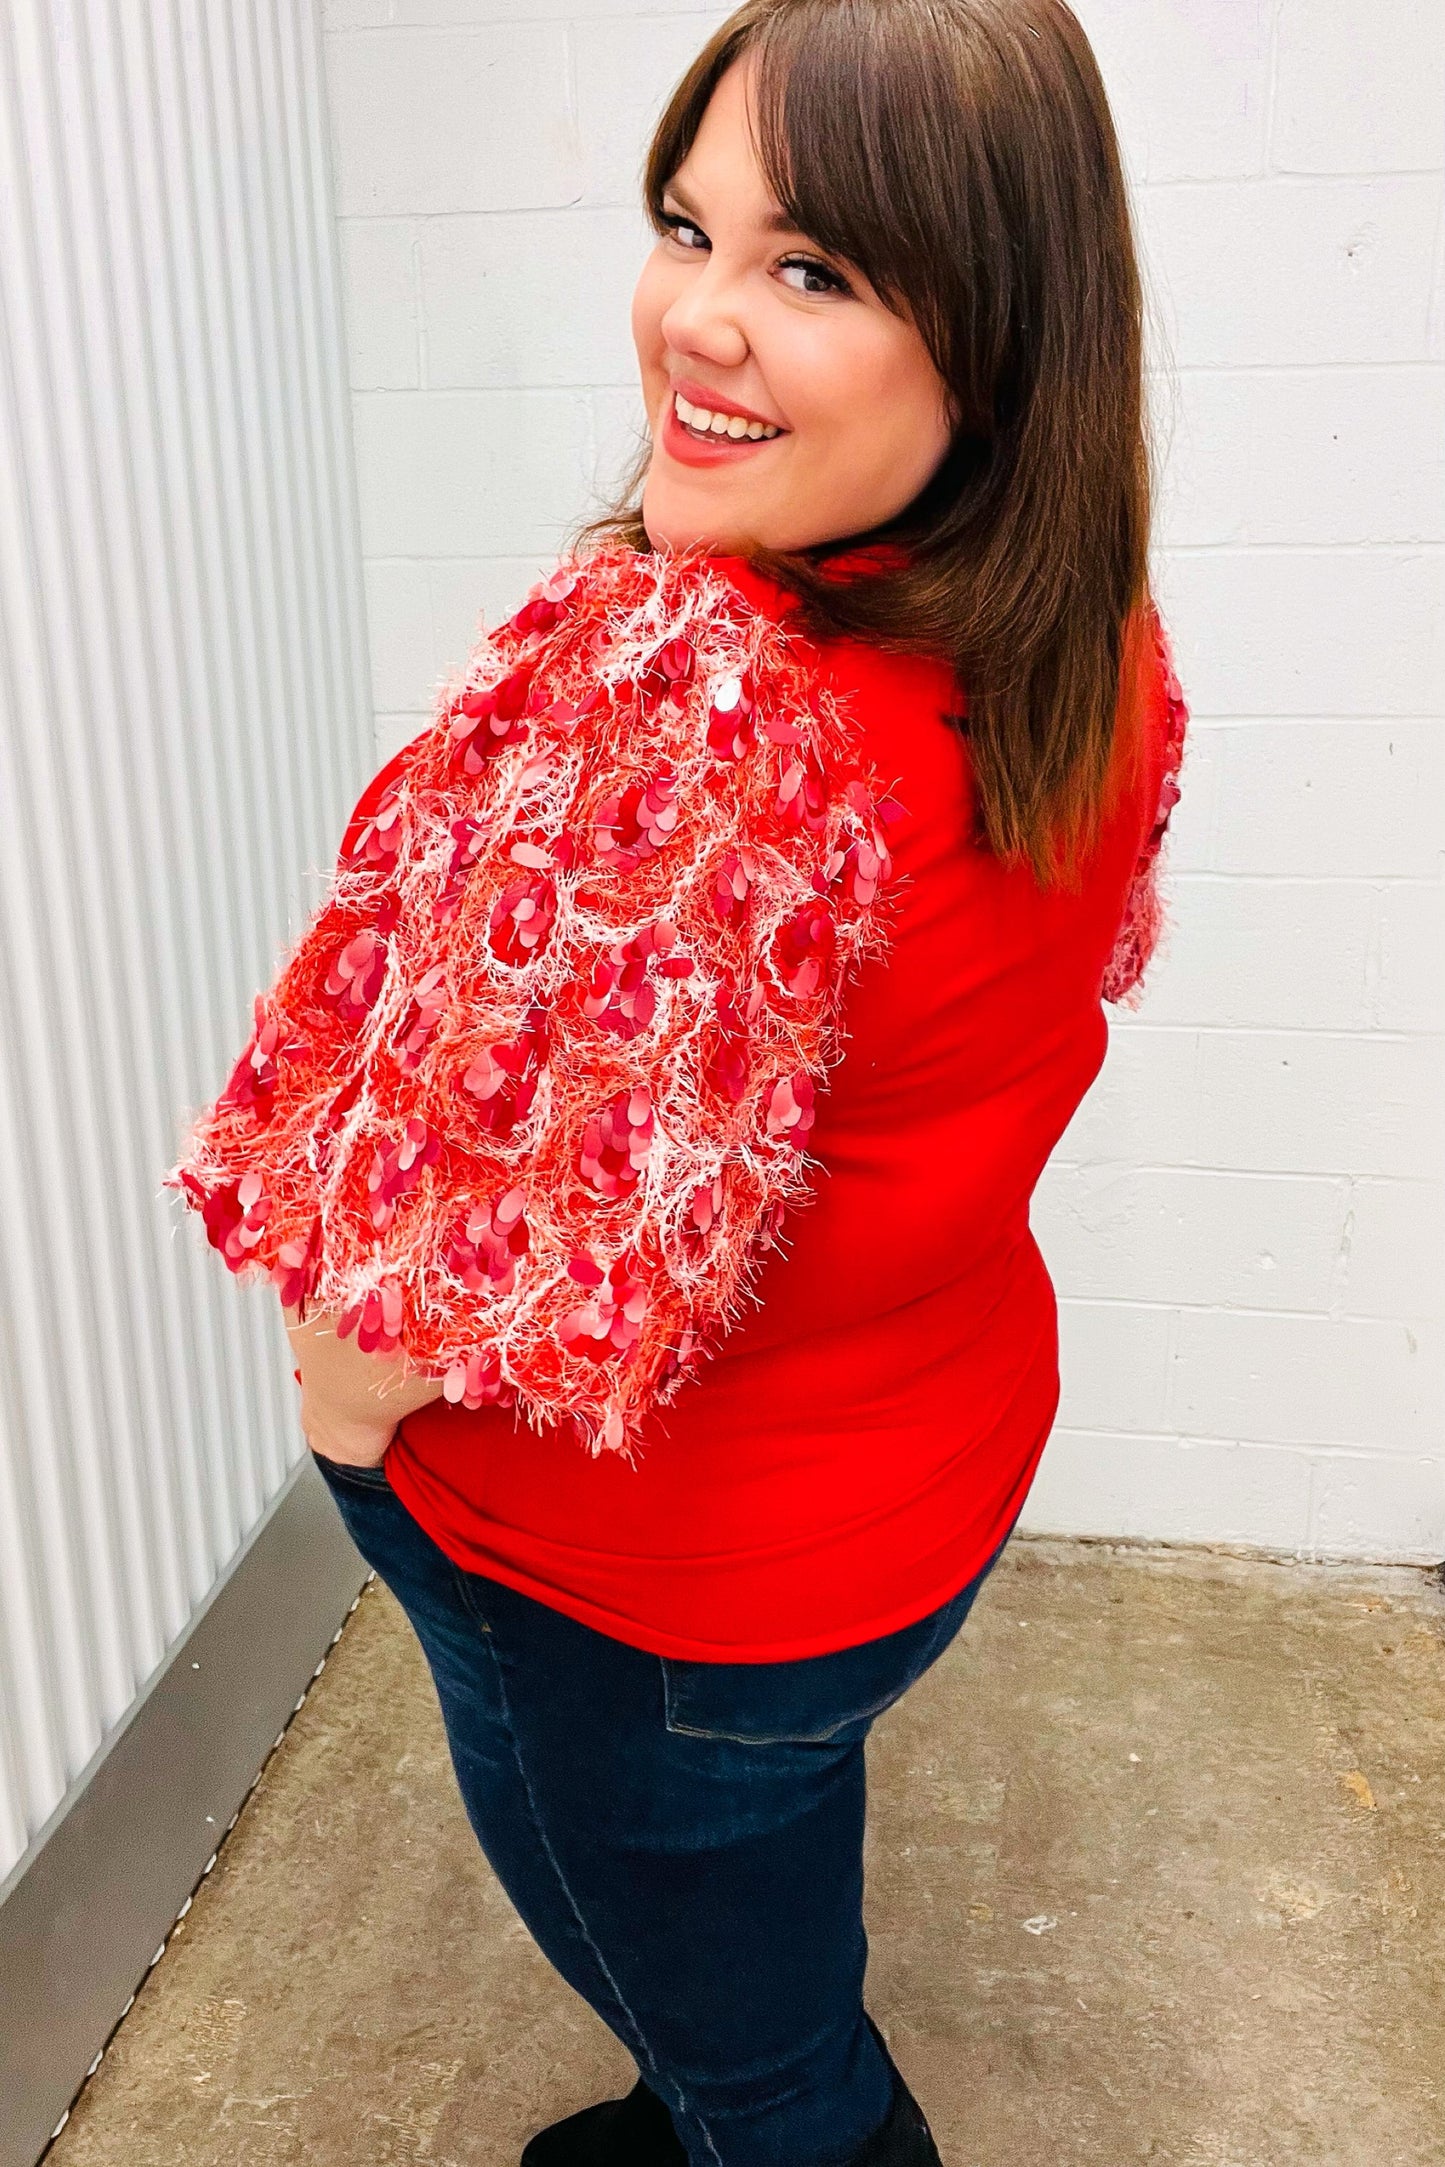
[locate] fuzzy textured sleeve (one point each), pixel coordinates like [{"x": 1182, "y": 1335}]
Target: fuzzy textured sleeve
[
  {"x": 529, "y": 1099},
  {"x": 1144, "y": 917}
]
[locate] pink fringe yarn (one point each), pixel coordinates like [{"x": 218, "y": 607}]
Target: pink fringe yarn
[
  {"x": 1144, "y": 921},
  {"x": 528, "y": 1100}
]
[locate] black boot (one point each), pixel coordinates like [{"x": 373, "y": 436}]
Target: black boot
[
  {"x": 633, "y": 2132},
  {"x": 905, "y": 2139},
  {"x": 637, "y": 2132}
]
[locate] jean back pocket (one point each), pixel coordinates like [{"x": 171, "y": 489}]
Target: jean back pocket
[
  {"x": 819, "y": 1700},
  {"x": 360, "y": 1478}
]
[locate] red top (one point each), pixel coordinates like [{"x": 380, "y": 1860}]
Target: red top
[{"x": 864, "y": 1438}]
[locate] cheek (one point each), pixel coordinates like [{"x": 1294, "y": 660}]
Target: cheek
[{"x": 873, "y": 402}]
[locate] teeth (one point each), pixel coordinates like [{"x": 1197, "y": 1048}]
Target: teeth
[{"x": 719, "y": 424}]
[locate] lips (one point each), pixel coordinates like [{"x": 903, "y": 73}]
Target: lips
[{"x": 717, "y": 402}]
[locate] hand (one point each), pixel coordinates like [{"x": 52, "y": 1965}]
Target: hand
[
  {"x": 351, "y": 1403},
  {"x": 350, "y": 1444}
]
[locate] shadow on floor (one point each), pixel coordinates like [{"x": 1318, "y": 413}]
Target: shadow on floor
[{"x": 1156, "y": 1870}]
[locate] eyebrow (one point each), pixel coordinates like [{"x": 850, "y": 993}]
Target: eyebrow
[{"x": 777, "y": 221}]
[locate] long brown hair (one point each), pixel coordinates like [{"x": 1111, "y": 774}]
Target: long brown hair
[{"x": 961, "y": 154}]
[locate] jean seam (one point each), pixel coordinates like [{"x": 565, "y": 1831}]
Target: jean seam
[
  {"x": 564, "y": 1885},
  {"x": 460, "y": 1580}
]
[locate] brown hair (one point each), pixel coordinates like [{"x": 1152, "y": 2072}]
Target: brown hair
[{"x": 961, "y": 154}]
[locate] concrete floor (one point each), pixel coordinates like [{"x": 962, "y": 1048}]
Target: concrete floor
[{"x": 1157, "y": 1873}]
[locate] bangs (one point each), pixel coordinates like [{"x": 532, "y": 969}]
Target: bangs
[{"x": 852, "y": 111}]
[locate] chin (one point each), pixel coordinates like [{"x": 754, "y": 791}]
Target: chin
[
  {"x": 679, "y": 517},
  {"x": 670, "y": 528}
]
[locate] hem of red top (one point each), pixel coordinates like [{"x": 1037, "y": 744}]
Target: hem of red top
[{"x": 679, "y": 1648}]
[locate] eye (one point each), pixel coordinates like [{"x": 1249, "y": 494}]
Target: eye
[
  {"x": 834, "y": 282},
  {"x": 674, "y": 223}
]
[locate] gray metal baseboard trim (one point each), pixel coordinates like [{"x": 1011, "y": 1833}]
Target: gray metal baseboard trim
[{"x": 86, "y": 1909}]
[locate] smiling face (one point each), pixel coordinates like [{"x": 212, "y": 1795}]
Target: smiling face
[{"x": 810, "y": 412}]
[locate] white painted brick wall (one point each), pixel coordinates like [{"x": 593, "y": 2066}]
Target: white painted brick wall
[{"x": 1246, "y": 1220}]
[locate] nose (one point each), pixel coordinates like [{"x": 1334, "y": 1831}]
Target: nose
[{"x": 706, "y": 317}]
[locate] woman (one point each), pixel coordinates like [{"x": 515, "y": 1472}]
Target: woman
[{"x": 889, "y": 341}]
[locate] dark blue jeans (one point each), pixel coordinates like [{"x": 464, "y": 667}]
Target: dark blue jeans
[{"x": 684, "y": 1840}]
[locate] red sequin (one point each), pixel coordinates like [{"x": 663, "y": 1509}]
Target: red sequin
[
  {"x": 804, "y": 949},
  {"x": 502, "y": 1080},
  {"x": 376, "y": 1319},
  {"x": 731, "y": 730},
  {"x": 1143, "y": 921},
  {"x": 424, "y": 1012},
  {"x": 610, "y": 1324},
  {"x": 476, "y": 1380},
  {"x": 790, "y": 1108},
  {"x": 256, "y": 1075},
  {"x": 354, "y": 979},
  {"x": 297, "y": 1268},
  {"x": 487, "y": 720},
  {"x": 377, "y": 845},
  {"x": 487, "y": 1241},
  {"x": 622, "y": 995},
  {"x": 522, "y": 919},
  {"x": 468, "y": 836},
  {"x": 616, "y": 1141},
  {"x": 636, "y": 823},
  {"x": 397, "y": 1167}
]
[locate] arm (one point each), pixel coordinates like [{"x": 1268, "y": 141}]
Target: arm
[{"x": 351, "y": 1402}]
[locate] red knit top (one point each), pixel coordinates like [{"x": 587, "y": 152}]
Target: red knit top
[{"x": 865, "y": 1436}]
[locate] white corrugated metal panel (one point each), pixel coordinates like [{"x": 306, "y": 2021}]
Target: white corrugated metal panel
[{"x": 183, "y": 726}]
